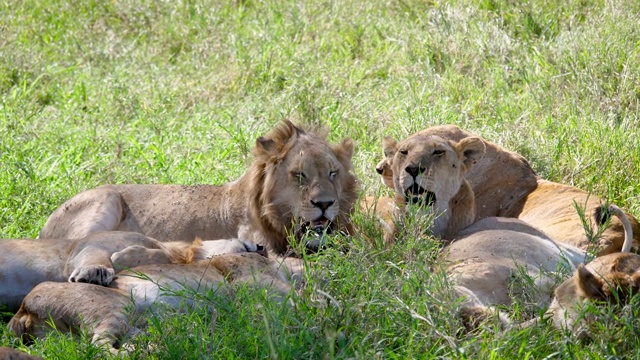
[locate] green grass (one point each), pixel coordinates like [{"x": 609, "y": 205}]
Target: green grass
[{"x": 95, "y": 92}]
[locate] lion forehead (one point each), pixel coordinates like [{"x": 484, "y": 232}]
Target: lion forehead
[
  {"x": 421, "y": 148},
  {"x": 318, "y": 160}
]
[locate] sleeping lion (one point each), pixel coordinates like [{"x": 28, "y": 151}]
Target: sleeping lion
[
  {"x": 107, "y": 313},
  {"x": 94, "y": 259},
  {"x": 298, "y": 182},
  {"x": 612, "y": 278}
]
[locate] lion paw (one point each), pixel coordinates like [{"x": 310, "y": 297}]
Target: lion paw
[
  {"x": 93, "y": 274},
  {"x": 229, "y": 246}
]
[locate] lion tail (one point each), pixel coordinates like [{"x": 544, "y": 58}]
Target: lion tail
[
  {"x": 182, "y": 252},
  {"x": 602, "y": 215}
]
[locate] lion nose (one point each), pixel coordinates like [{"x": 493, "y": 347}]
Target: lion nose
[
  {"x": 414, "y": 170},
  {"x": 322, "y": 205}
]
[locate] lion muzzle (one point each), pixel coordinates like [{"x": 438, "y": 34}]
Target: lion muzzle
[{"x": 417, "y": 195}]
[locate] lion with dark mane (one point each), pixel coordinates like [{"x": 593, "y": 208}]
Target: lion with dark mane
[{"x": 297, "y": 182}]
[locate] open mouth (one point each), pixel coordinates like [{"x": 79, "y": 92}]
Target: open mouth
[
  {"x": 417, "y": 195},
  {"x": 320, "y": 226},
  {"x": 312, "y": 233}
]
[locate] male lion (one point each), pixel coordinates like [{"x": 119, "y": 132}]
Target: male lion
[
  {"x": 505, "y": 185},
  {"x": 428, "y": 171},
  {"x": 105, "y": 312},
  {"x": 296, "y": 179},
  {"x": 93, "y": 259}
]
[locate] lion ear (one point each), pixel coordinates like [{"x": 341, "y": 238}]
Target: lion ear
[
  {"x": 389, "y": 147},
  {"x": 344, "y": 150},
  {"x": 265, "y": 146},
  {"x": 384, "y": 169},
  {"x": 590, "y": 285},
  {"x": 472, "y": 148}
]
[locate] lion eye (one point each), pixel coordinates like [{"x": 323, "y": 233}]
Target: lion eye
[
  {"x": 438, "y": 152},
  {"x": 332, "y": 174},
  {"x": 299, "y": 175},
  {"x": 404, "y": 151}
]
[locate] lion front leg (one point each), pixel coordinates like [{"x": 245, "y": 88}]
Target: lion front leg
[
  {"x": 228, "y": 246},
  {"x": 88, "y": 212},
  {"x": 92, "y": 265}
]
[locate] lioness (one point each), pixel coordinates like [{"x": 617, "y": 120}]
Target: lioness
[
  {"x": 489, "y": 254},
  {"x": 486, "y": 257},
  {"x": 617, "y": 273},
  {"x": 428, "y": 171},
  {"x": 102, "y": 311},
  {"x": 296, "y": 179},
  {"x": 505, "y": 185},
  {"x": 93, "y": 259}
]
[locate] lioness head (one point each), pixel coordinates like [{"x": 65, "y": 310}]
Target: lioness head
[
  {"x": 300, "y": 179},
  {"x": 429, "y": 170},
  {"x": 611, "y": 278}
]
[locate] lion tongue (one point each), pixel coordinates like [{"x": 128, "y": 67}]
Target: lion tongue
[{"x": 319, "y": 224}]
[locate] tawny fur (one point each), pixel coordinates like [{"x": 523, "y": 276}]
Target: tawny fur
[
  {"x": 94, "y": 259},
  {"x": 295, "y": 174},
  {"x": 596, "y": 281},
  {"x": 384, "y": 208},
  {"x": 486, "y": 256},
  {"x": 505, "y": 185},
  {"x": 26, "y": 263},
  {"x": 437, "y": 166},
  {"x": 106, "y": 313}
]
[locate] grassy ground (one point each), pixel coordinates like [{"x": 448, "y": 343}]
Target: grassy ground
[{"x": 96, "y": 92}]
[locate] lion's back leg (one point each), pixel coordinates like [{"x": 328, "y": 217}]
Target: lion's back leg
[
  {"x": 88, "y": 212},
  {"x": 72, "y": 307}
]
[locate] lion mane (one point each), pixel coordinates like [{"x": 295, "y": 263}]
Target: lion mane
[{"x": 265, "y": 173}]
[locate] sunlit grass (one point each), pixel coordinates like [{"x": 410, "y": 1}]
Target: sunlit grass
[{"x": 177, "y": 92}]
